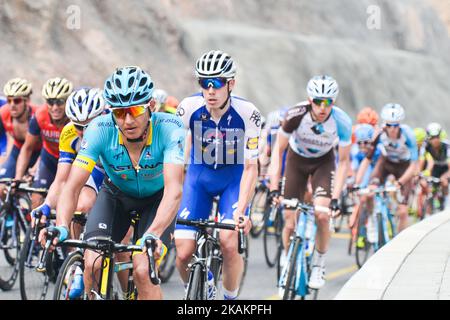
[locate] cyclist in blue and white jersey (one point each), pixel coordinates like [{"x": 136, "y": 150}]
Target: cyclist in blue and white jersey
[
  {"x": 143, "y": 157},
  {"x": 399, "y": 157},
  {"x": 310, "y": 131},
  {"x": 224, "y": 130}
]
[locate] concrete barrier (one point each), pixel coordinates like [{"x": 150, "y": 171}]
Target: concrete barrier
[{"x": 377, "y": 275}]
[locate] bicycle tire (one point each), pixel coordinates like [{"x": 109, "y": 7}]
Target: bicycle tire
[
  {"x": 289, "y": 289},
  {"x": 9, "y": 274},
  {"x": 73, "y": 260},
  {"x": 274, "y": 231},
  {"x": 195, "y": 289},
  {"x": 244, "y": 271},
  {"x": 25, "y": 283},
  {"x": 258, "y": 228},
  {"x": 167, "y": 266},
  {"x": 362, "y": 253}
]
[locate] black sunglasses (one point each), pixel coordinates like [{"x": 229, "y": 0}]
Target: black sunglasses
[{"x": 58, "y": 102}]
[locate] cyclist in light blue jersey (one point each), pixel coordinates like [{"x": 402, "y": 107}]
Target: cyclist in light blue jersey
[
  {"x": 224, "y": 130},
  {"x": 399, "y": 157},
  {"x": 142, "y": 154}
]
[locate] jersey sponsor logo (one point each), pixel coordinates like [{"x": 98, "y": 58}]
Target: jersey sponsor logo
[
  {"x": 84, "y": 144},
  {"x": 252, "y": 143},
  {"x": 147, "y": 155},
  {"x": 129, "y": 166},
  {"x": 229, "y": 119},
  {"x": 185, "y": 213},
  {"x": 103, "y": 226},
  {"x": 256, "y": 118},
  {"x": 174, "y": 121},
  {"x": 317, "y": 128},
  {"x": 82, "y": 162},
  {"x": 118, "y": 155},
  {"x": 296, "y": 111},
  {"x": 105, "y": 124},
  {"x": 180, "y": 111}
]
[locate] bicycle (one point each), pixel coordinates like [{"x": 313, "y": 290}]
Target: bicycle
[
  {"x": 381, "y": 227},
  {"x": 258, "y": 207},
  {"x": 167, "y": 266},
  {"x": 434, "y": 200},
  {"x": 206, "y": 257},
  {"x": 109, "y": 286},
  {"x": 14, "y": 220},
  {"x": 34, "y": 284},
  {"x": 294, "y": 276}
]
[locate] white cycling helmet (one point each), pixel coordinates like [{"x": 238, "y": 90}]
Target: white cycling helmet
[
  {"x": 160, "y": 96},
  {"x": 392, "y": 113},
  {"x": 85, "y": 104},
  {"x": 215, "y": 63},
  {"x": 434, "y": 129},
  {"x": 322, "y": 86}
]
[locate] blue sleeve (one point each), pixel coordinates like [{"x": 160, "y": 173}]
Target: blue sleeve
[
  {"x": 3, "y": 143},
  {"x": 411, "y": 143},
  {"x": 33, "y": 127},
  {"x": 174, "y": 134},
  {"x": 344, "y": 126}
]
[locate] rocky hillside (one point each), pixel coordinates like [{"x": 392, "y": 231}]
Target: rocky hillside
[{"x": 378, "y": 50}]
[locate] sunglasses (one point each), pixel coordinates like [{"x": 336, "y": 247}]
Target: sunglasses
[
  {"x": 215, "y": 83},
  {"x": 392, "y": 125},
  {"x": 58, "y": 102},
  {"x": 361, "y": 143},
  {"x": 326, "y": 101},
  {"x": 80, "y": 127},
  {"x": 15, "y": 100},
  {"x": 135, "y": 111}
]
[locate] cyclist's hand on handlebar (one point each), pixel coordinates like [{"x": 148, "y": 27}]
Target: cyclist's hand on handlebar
[
  {"x": 62, "y": 233},
  {"x": 275, "y": 197},
  {"x": 243, "y": 222},
  {"x": 335, "y": 208},
  {"x": 42, "y": 212},
  {"x": 158, "y": 250}
]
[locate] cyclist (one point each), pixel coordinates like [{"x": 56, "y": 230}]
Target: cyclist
[
  {"x": 367, "y": 115},
  {"x": 164, "y": 102},
  {"x": 82, "y": 106},
  {"x": 171, "y": 105},
  {"x": 399, "y": 157},
  {"x": 438, "y": 153},
  {"x": 225, "y": 130},
  {"x": 3, "y": 136},
  {"x": 14, "y": 120},
  {"x": 310, "y": 131},
  {"x": 46, "y": 126},
  {"x": 143, "y": 157}
]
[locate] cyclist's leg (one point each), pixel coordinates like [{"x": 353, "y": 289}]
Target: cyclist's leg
[
  {"x": 107, "y": 218},
  {"x": 44, "y": 176},
  {"x": 297, "y": 173},
  {"x": 398, "y": 169},
  {"x": 196, "y": 203}
]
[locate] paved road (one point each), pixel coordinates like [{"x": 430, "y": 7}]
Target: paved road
[{"x": 260, "y": 282}]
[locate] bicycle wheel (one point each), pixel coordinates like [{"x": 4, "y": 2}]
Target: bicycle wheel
[
  {"x": 167, "y": 266},
  {"x": 33, "y": 284},
  {"x": 66, "y": 275},
  {"x": 272, "y": 239},
  {"x": 258, "y": 212},
  {"x": 363, "y": 248},
  {"x": 290, "y": 289},
  {"x": 13, "y": 238},
  {"x": 196, "y": 284}
]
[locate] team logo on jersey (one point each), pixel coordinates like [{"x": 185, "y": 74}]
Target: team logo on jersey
[
  {"x": 124, "y": 176},
  {"x": 103, "y": 226},
  {"x": 147, "y": 155},
  {"x": 180, "y": 112},
  {"x": 256, "y": 118},
  {"x": 185, "y": 213},
  {"x": 117, "y": 156},
  {"x": 252, "y": 143},
  {"x": 204, "y": 117},
  {"x": 229, "y": 119},
  {"x": 317, "y": 128}
]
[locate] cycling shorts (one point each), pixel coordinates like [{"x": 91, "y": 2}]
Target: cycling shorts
[
  {"x": 439, "y": 170},
  {"x": 110, "y": 215},
  {"x": 46, "y": 171},
  {"x": 201, "y": 185},
  {"x": 384, "y": 168},
  {"x": 8, "y": 169},
  {"x": 299, "y": 169}
]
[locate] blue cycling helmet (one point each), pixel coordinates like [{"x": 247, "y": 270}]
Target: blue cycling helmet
[
  {"x": 2, "y": 101},
  {"x": 364, "y": 132},
  {"x": 128, "y": 86}
]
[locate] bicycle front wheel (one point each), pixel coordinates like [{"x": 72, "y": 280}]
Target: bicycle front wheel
[
  {"x": 363, "y": 248},
  {"x": 167, "y": 266},
  {"x": 272, "y": 239},
  {"x": 290, "y": 289},
  {"x": 33, "y": 284},
  {"x": 196, "y": 284},
  {"x": 67, "y": 274},
  {"x": 258, "y": 212}
]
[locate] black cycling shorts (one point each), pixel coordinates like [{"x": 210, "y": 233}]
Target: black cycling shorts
[{"x": 110, "y": 215}]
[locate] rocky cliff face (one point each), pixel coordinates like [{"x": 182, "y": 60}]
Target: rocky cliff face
[{"x": 378, "y": 50}]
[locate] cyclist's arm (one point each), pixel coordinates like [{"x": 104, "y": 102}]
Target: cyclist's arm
[
  {"x": 414, "y": 165},
  {"x": 167, "y": 210},
  {"x": 281, "y": 144},
  {"x": 187, "y": 147},
  {"x": 55, "y": 189},
  {"x": 342, "y": 170},
  {"x": 68, "y": 199},
  {"x": 25, "y": 155},
  {"x": 247, "y": 185},
  {"x": 362, "y": 170}
]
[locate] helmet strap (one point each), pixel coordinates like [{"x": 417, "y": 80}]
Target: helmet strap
[{"x": 228, "y": 97}]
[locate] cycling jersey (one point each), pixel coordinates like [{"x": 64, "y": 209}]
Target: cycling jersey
[
  {"x": 217, "y": 156},
  {"x": 41, "y": 125},
  {"x": 3, "y": 137},
  {"x": 441, "y": 157},
  {"x": 357, "y": 156},
  {"x": 3, "y": 101},
  {"x": 401, "y": 149},
  {"x": 69, "y": 145},
  {"x": 311, "y": 139},
  {"x": 103, "y": 141},
  {"x": 230, "y": 141},
  {"x": 6, "y": 125}
]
